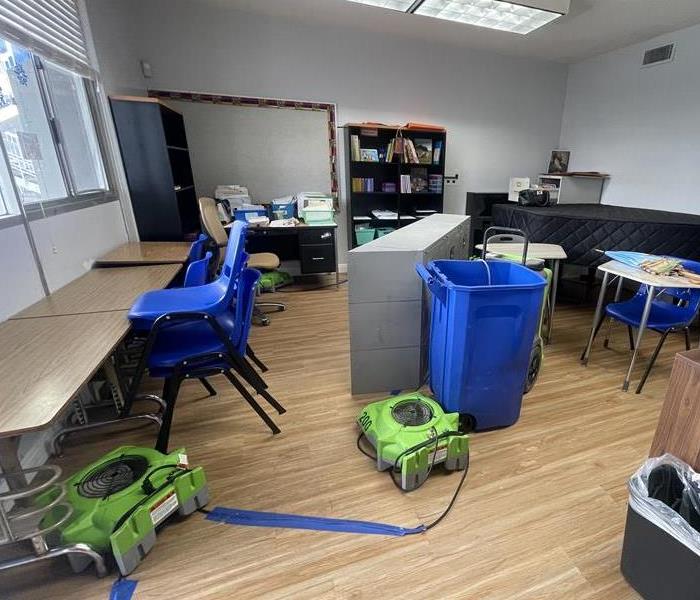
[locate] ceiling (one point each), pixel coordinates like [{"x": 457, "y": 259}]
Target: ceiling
[{"x": 591, "y": 27}]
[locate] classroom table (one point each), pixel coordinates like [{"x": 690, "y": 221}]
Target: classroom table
[
  {"x": 551, "y": 252},
  {"x": 101, "y": 290},
  {"x": 145, "y": 253},
  {"x": 655, "y": 283},
  {"x": 45, "y": 363}
]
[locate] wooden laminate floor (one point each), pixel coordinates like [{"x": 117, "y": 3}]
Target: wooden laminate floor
[{"x": 541, "y": 515}]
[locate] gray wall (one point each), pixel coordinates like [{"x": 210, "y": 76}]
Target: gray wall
[
  {"x": 273, "y": 151},
  {"x": 641, "y": 125},
  {"x": 502, "y": 114}
]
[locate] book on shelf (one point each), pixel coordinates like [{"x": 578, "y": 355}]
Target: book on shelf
[
  {"x": 362, "y": 184},
  {"x": 355, "y": 147},
  {"x": 435, "y": 184},
  {"x": 405, "y": 184},
  {"x": 390, "y": 150},
  {"x": 419, "y": 180},
  {"x": 437, "y": 152},
  {"x": 424, "y": 150},
  {"x": 389, "y": 187},
  {"x": 369, "y": 155},
  {"x": 409, "y": 152},
  {"x": 384, "y": 215}
]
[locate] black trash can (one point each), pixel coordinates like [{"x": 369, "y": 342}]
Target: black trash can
[{"x": 661, "y": 549}]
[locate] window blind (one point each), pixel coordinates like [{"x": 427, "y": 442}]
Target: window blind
[{"x": 51, "y": 28}]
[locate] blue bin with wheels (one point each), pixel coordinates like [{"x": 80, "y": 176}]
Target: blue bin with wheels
[{"x": 484, "y": 319}]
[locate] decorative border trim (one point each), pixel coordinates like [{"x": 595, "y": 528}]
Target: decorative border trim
[{"x": 256, "y": 102}]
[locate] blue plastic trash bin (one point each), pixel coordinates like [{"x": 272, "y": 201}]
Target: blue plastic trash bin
[{"x": 483, "y": 322}]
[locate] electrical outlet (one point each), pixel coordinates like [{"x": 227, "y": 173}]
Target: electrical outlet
[
  {"x": 54, "y": 249},
  {"x": 452, "y": 179}
]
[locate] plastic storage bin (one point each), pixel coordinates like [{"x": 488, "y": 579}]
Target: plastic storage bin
[
  {"x": 282, "y": 207},
  {"x": 483, "y": 322},
  {"x": 364, "y": 235},
  {"x": 382, "y": 231},
  {"x": 661, "y": 549},
  {"x": 244, "y": 214}
]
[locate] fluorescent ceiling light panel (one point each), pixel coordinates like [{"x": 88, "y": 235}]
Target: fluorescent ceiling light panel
[
  {"x": 493, "y": 14},
  {"x": 515, "y": 17},
  {"x": 401, "y": 5}
]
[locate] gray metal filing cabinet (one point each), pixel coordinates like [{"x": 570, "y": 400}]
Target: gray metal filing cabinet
[{"x": 389, "y": 309}]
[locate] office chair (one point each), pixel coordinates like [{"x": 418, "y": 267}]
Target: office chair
[{"x": 262, "y": 261}]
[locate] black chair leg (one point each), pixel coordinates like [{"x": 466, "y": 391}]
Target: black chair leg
[
  {"x": 630, "y": 335},
  {"x": 250, "y": 400},
  {"x": 686, "y": 331},
  {"x": 260, "y": 364},
  {"x": 171, "y": 387},
  {"x": 595, "y": 333},
  {"x": 207, "y": 386},
  {"x": 652, "y": 360},
  {"x": 272, "y": 401}
]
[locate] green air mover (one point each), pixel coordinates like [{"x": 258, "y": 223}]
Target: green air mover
[
  {"x": 411, "y": 433},
  {"x": 119, "y": 501},
  {"x": 271, "y": 280}
]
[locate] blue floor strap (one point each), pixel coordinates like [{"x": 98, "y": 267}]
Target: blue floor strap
[
  {"x": 253, "y": 518},
  {"x": 122, "y": 589}
]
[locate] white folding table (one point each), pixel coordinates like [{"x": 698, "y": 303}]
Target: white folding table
[{"x": 655, "y": 284}]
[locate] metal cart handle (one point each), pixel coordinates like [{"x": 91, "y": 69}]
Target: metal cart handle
[{"x": 519, "y": 232}]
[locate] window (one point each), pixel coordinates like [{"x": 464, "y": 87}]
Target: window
[{"x": 47, "y": 132}]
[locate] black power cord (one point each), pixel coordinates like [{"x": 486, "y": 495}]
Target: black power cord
[{"x": 413, "y": 449}]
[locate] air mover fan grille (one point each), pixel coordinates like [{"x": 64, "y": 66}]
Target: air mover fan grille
[
  {"x": 412, "y": 413},
  {"x": 112, "y": 477}
]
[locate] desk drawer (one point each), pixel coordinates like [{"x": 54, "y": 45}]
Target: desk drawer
[
  {"x": 316, "y": 235},
  {"x": 319, "y": 258}
]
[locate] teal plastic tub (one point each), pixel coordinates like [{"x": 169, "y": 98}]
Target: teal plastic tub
[
  {"x": 382, "y": 231},
  {"x": 364, "y": 235}
]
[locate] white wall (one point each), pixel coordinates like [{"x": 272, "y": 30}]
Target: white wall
[
  {"x": 115, "y": 36},
  {"x": 276, "y": 152},
  {"x": 641, "y": 125},
  {"x": 20, "y": 279},
  {"x": 68, "y": 243},
  {"x": 502, "y": 114}
]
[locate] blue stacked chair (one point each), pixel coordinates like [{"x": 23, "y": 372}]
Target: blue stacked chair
[{"x": 196, "y": 332}]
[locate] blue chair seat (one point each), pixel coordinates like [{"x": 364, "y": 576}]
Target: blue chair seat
[
  {"x": 663, "y": 315},
  {"x": 197, "y": 337}
]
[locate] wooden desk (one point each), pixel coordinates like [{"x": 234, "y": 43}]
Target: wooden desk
[
  {"x": 146, "y": 253},
  {"x": 654, "y": 284},
  {"x": 102, "y": 290}
]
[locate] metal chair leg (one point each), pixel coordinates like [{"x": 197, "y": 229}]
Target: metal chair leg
[
  {"x": 686, "y": 331},
  {"x": 593, "y": 336},
  {"x": 250, "y": 400},
  {"x": 606, "y": 341},
  {"x": 260, "y": 364},
  {"x": 171, "y": 386},
  {"x": 630, "y": 335},
  {"x": 207, "y": 386},
  {"x": 652, "y": 360}
]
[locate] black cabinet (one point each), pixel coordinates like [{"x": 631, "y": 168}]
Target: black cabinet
[{"x": 153, "y": 145}]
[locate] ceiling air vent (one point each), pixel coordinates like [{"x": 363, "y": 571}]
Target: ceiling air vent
[{"x": 660, "y": 55}]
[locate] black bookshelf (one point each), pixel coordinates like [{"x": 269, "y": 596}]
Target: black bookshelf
[
  {"x": 362, "y": 203},
  {"x": 156, "y": 159}
]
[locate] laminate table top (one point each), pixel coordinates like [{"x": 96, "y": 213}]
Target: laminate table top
[
  {"x": 146, "y": 253},
  {"x": 44, "y": 363},
  {"x": 101, "y": 290}
]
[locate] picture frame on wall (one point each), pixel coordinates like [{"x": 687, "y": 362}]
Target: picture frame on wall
[{"x": 559, "y": 162}]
